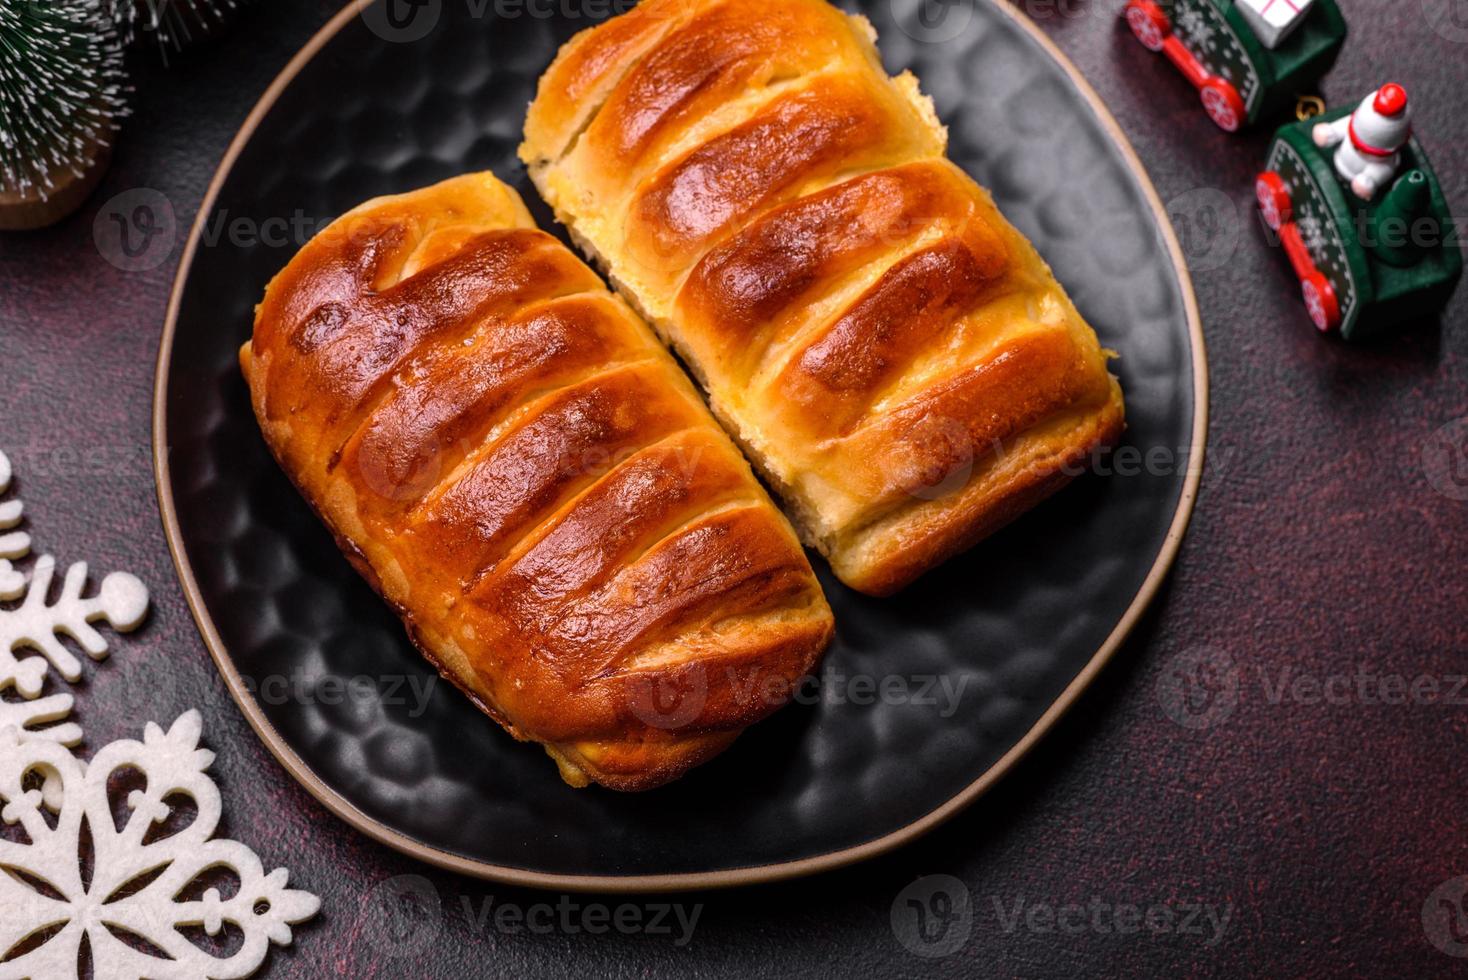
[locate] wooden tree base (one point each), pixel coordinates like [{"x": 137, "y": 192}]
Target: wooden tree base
[{"x": 25, "y": 211}]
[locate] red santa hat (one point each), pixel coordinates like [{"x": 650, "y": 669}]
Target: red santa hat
[{"x": 1391, "y": 100}]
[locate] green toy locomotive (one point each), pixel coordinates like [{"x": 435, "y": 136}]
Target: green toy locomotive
[
  {"x": 1247, "y": 58},
  {"x": 1361, "y": 215}
]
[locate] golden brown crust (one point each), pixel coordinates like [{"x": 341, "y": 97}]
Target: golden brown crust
[
  {"x": 882, "y": 558},
  {"x": 743, "y": 293},
  {"x": 802, "y": 136},
  {"x": 507, "y": 455},
  {"x": 893, "y": 354}
]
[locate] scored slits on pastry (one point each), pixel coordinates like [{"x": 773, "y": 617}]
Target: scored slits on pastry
[
  {"x": 570, "y": 440},
  {"x": 575, "y": 436},
  {"x": 980, "y": 407},
  {"x": 718, "y": 55},
  {"x": 743, "y": 294},
  {"x": 838, "y": 374},
  {"x": 356, "y": 335},
  {"x": 578, "y": 588},
  {"x": 709, "y": 591},
  {"x": 455, "y": 395},
  {"x": 696, "y": 591},
  {"x": 589, "y": 71},
  {"x": 795, "y": 143},
  {"x": 635, "y": 505},
  {"x": 669, "y": 546},
  {"x": 423, "y": 446}
]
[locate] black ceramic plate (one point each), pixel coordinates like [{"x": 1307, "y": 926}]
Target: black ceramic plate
[{"x": 1017, "y": 627}]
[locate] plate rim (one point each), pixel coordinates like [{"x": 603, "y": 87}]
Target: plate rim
[{"x": 680, "y": 881}]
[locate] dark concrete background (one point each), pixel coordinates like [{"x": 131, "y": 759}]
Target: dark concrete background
[{"x": 1327, "y": 544}]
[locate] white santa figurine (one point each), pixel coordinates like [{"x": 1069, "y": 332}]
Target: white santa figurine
[{"x": 1370, "y": 140}]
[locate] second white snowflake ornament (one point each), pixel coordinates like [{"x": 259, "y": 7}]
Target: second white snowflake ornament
[
  {"x": 122, "y": 602},
  {"x": 135, "y": 877},
  {"x": 30, "y": 634}
]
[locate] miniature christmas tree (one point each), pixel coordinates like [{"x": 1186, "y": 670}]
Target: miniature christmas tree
[
  {"x": 61, "y": 94},
  {"x": 1396, "y": 218}
]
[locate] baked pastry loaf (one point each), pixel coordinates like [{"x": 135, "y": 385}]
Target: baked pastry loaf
[
  {"x": 893, "y": 355},
  {"x": 508, "y": 455}
]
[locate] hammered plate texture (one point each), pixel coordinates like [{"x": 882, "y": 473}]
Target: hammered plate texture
[{"x": 1013, "y": 622}]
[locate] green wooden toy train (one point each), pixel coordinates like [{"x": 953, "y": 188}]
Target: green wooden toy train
[
  {"x": 1247, "y": 58},
  {"x": 1361, "y": 215}
]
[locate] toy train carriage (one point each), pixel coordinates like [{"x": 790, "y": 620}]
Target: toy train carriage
[
  {"x": 1247, "y": 58},
  {"x": 1363, "y": 266}
]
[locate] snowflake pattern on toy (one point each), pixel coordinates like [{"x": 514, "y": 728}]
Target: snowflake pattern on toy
[
  {"x": 136, "y": 878},
  {"x": 1210, "y": 38},
  {"x": 1196, "y": 31},
  {"x": 1318, "y": 231},
  {"x": 31, "y": 632},
  {"x": 1319, "y": 237},
  {"x": 1312, "y": 233}
]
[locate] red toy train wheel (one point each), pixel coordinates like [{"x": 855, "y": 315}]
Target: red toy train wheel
[
  {"x": 1148, "y": 23},
  {"x": 1274, "y": 200},
  {"x": 1321, "y": 303},
  {"x": 1223, "y": 104}
]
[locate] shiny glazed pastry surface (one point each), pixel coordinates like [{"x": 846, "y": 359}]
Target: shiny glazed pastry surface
[
  {"x": 508, "y": 455},
  {"x": 892, "y": 354}
]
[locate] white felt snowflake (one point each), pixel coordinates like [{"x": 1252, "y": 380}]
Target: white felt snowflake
[
  {"x": 135, "y": 881},
  {"x": 51, "y": 895},
  {"x": 13, "y": 543},
  {"x": 30, "y": 633}
]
